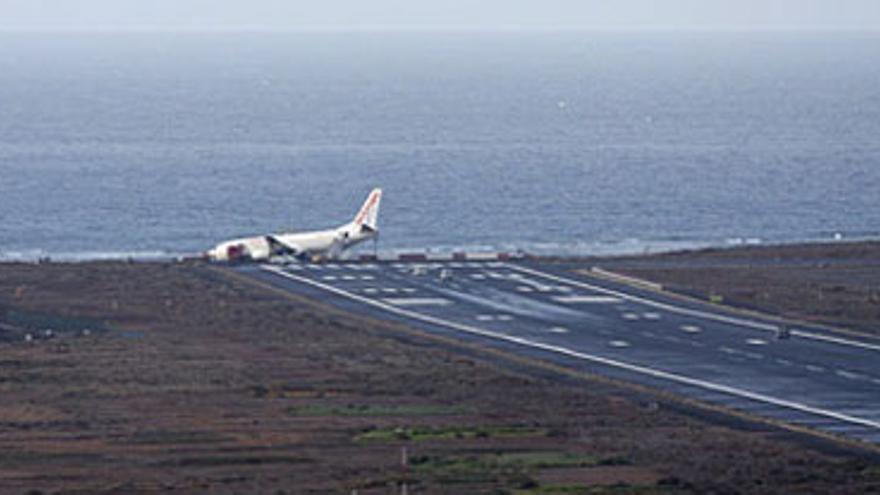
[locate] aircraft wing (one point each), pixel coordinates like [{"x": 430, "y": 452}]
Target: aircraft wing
[{"x": 279, "y": 247}]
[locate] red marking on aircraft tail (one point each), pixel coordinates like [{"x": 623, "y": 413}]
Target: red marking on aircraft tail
[{"x": 371, "y": 201}]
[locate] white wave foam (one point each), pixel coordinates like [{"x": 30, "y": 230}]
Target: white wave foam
[{"x": 32, "y": 255}]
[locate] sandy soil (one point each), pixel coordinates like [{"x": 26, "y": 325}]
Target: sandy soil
[{"x": 162, "y": 377}]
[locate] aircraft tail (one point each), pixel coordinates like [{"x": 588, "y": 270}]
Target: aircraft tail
[{"x": 368, "y": 217}]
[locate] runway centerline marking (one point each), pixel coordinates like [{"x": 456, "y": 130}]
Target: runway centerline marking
[
  {"x": 697, "y": 313},
  {"x": 635, "y": 368},
  {"x": 417, "y": 301},
  {"x": 586, "y": 299}
]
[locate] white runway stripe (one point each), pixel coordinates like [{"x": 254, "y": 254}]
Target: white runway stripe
[
  {"x": 587, "y": 299},
  {"x": 417, "y": 301},
  {"x": 758, "y": 325}
]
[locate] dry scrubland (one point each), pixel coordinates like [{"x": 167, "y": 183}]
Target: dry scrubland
[{"x": 190, "y": 381}]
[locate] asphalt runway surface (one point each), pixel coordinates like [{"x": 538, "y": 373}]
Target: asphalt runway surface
[{"x": 818, "y": 379}]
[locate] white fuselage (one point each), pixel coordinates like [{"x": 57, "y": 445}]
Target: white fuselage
[
  {"x": 307, "y": 244},
  {"x": 321, "y": 243}
]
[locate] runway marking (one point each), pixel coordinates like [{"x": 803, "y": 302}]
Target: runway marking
[
  {"x": 371, "y": 290},
  {"x": 332, "y": 266},
  {"x": 630, "y": 316},
  {"x": 815, "y": 369},
  {"x": 618, "y": 343},
  {"x": 295, "y": 268},
  {"x": 504, "y": 317},
  {"x": 727, "y": 350},
  {"x": 586, "y": 299},
  {"x": 485, "y": 317},
  {"x": 784, "y": 362},
  {"x": 478, "y": 276},
  {"x": 540, "y": 287},
  {"x": 408, "y": 290},
  {"x": 756, "y": 342},
  {"x": 525, "y": 288},
  {"x": 753, "y": 355},
  {"x": 390, "y": 290},
  {"x": 690, "y": 328},
  {"x": 651, "y": 316},
  {"x": 557, "y": 330},
  {"x": 329, "y": 277},
  {"x": 849, "y": 375},
  {"x": 349, "y": 277},
  {"x": 417, "y": 301},
  {"x": 697, "y": 313},
  {"x": 616, "y": 363},
  {"x": 367, "y": 277}
]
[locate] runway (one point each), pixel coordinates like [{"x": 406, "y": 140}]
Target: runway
[{"x": 815, "y": 379}]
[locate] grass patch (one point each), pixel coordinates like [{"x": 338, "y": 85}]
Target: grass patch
[
  {"x": 544, "y": 460},
  {"x": 510, "y": 469},
  {"x": 426, "y": 433},
  {"x": 512, "y": 461},
  {"x": 371, "y": 410}
]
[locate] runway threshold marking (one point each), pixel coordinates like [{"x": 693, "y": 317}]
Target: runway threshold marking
[
  {"x": 697, "y": 313},
  {"x": 655, "y": 373}
]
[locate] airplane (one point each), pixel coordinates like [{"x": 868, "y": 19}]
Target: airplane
[{"x": 320, "y": 244}]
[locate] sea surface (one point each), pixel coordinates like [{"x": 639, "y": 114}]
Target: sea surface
[{"x": 163, "y": 143}]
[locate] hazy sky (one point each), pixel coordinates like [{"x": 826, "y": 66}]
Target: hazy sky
[{"x": 415, "y": 14}]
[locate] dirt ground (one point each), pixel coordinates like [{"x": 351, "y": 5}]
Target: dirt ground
[{"x": 136, "y": 378}]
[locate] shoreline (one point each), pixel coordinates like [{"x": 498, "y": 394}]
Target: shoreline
[{"x": 674, "y": 247}]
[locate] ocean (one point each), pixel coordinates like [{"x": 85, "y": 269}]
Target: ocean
[{"x": 154, "y": 144}]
